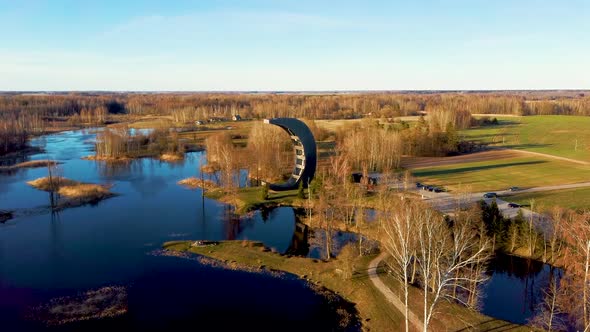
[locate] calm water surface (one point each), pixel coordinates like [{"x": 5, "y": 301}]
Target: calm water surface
[{"x": 44, "y": 255}]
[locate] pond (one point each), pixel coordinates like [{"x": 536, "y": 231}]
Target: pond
[
  {"x": 46, "y": 255},
  {"x": 516, "y": 287}
]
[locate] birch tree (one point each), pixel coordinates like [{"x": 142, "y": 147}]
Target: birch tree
[
  {"x": 446, "y": 256},
  {"x": 399, "y": 241}
]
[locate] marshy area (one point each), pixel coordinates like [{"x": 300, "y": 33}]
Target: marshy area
[{"x": 108, "y": 244}]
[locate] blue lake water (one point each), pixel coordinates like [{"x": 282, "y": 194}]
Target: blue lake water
[{"x": 45, "y": 255}]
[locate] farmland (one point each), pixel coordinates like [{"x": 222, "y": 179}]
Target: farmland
[{"x": 558, "y": 135}]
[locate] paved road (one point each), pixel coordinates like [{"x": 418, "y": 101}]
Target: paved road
[
  {"x": 447, "y": 203},
  {"x": 389, "y": 295}
]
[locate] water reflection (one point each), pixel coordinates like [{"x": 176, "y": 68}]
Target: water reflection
[
  {"x": 516, "y": 287},
  {"x": 45, "y": 255}
]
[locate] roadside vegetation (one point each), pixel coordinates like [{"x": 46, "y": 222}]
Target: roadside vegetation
[{"x": 574, "y": 199}]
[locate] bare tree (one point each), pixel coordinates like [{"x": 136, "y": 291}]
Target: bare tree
[
  {"x": 549, "y": 316},
  {"x": 397, "y": 221},
  {"x": 447, "y": 256},
  {"x": 575, "y": 284}
]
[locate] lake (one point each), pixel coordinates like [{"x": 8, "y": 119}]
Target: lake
[{"x": 44, "y": 255}]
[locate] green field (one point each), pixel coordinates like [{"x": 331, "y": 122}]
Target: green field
[
  {"x": 559, "y": 135},
  {"x": 577, "y": 199},
  {"x": 504, "y": 173}
]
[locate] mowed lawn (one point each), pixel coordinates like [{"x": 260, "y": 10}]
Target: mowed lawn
[
  {"x": 559, "y": 135},
  {"x": 577, "y": 199},
  {"x": 503, "y": 173}
]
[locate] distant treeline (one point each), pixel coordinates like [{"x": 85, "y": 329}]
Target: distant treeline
[{"x": 23, "y": 115}]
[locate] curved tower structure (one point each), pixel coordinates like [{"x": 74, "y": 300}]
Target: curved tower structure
[{"x": 305, "y": 152}]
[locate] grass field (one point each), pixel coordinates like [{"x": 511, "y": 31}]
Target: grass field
[
  {"x": 249, "y": 198},
  {"x": 503, "y": 173},
  {"x": 559, "y": 135},
  {"x": 577, "y": 199}
]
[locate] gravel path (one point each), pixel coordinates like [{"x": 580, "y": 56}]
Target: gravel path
[{"x": 389, "y": 295}]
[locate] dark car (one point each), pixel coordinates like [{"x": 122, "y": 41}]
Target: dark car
[
  {"x": 514, "y": 189},
  {"x": 489, "y": 195},
  {"x": 438, "y": 190},
  {"x": 419, "y": 185},
  {"x": 430, "y": 188},
  {"x": 513, "y": 205}
]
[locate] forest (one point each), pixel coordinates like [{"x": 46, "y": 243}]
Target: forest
[{"x": 26, "y": 115}]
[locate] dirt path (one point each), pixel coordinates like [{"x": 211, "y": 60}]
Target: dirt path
[
  {"x": 548, "y": 156},
  {"x": 389, "y": 295},
  {"x": 489, "y": 155}
]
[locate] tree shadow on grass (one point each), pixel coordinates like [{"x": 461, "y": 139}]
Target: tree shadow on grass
[
  {"x": 490, "y": 325},
  {"x": 474, "y": 168},
  {"x": 525, "y": 146}
]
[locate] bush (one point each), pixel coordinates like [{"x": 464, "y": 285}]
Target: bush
[
  {"x": 264, "y": 192},
  {"x": 300, "y": 193}
]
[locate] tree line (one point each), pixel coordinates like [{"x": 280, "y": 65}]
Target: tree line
[{"x": 24, "y": 115}]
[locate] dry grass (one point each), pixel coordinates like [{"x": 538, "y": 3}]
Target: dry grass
[
  {"x": 73, "y": 193},
  {"x": 29, "y": 164},
  {"x": 194, "y": 183},
  {"x": 85, "y": 190},
  {"x": 47, "y": 184},
  {"x": 171, "y": 157},
  {"x": 210, "y": 168},
  {"x": 152, "y": 122},
  {"x": 101, "y": 158},
  {"x": 106, "y": 302}
]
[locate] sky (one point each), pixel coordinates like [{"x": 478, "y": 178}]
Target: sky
[{"x": 294, "y": 45}]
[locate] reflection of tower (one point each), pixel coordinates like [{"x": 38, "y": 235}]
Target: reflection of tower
[
  {"x": 203, "y": 221},
  {"x": 55, "y": 231},
  {"x": 299, "y": 245},
  {"x": 231, "y": 222}
]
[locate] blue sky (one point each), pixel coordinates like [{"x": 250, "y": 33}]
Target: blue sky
[{"x": 294, "y": 45}]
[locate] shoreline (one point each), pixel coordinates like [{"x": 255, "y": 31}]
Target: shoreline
[{"x": 348, "y": 315}]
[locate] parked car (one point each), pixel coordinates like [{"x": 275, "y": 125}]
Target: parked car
[
  {"x": 490, "y": 195},
  {"x": 513, "y": 205},
  {"x": 514, "y": 189},
  {"x": 438, "y": 190},
  {"x": 419, "y": 185}
]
